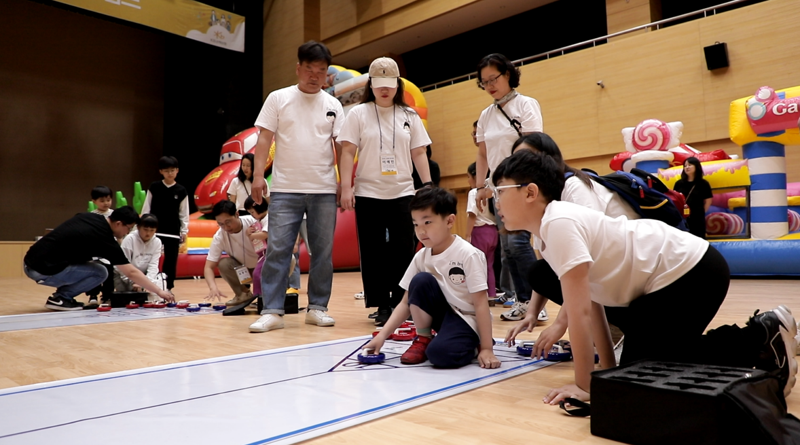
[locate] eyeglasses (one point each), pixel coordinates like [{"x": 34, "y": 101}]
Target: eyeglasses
[
  {"x": 486, "y": 83},
  {"x": 228, "y": 223},
  {"x": 496, "y": 190}
]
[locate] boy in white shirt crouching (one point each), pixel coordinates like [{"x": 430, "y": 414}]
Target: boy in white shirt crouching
[
  {"x": 445, "y": 291},
  {"x": 143, "y": 250}
]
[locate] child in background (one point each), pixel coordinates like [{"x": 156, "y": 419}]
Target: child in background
[
  {"x": 101, "y": 197},
  {"x": 169, "y": 202},
  {"x": 481, "y": 231},
  {"x": 257, "y": 233},
  {"x": 143, "y": 250},
  {"x": 445, "y": 291}
]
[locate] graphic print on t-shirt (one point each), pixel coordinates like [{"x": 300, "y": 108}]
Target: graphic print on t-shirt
[
  {"x": 456, "y": 273},
  {"x": 330, "y": 115}
]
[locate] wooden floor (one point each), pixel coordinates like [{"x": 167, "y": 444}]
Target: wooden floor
[{"x": 507, "y": 412}]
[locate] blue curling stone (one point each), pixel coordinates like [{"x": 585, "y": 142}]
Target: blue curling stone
[
  {"x": 172, "y": 304},
  {"x": 371, "y": 359},
  {"x": 527, "y": 351},
  {"x": 204, "y": 304},
  {"x": 193, "y": 309},
  {"x": 219, "y": 307}
]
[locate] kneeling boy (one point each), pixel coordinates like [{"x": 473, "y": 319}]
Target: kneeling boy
[
  {"x": 445, "y": 291},
  {"x": 143, "y": 250},
  {"x": 646, "y": 270}
]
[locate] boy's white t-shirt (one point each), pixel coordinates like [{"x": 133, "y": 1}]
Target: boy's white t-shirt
[
  {"x": 400, "y": 131},
  {"x": 236, "y": 245},
  {"x": 481, "y": 218},
  {"x": 460, "y": 271},
  {"x": 628, "y": 258},
  {"x": 142, "y": 255},
  {"x": 498, "y": 134},
  {"x": 107, "y": 213},
  {"x": 304, "y": 126}
]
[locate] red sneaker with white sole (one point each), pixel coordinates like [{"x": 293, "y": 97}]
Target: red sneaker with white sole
[{"x": 416, "y": 352}]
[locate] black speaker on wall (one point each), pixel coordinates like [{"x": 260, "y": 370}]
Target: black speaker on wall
[{"x": 716, "y": 55}]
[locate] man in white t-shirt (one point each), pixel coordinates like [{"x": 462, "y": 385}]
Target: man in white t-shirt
[
  {"x": 237, "y": 268},
  {"x": 647, "y": 269},
  {"x": 304, "y": 120}
]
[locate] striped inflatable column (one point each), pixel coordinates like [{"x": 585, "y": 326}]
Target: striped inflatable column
[{"x": 768, "y": 205}]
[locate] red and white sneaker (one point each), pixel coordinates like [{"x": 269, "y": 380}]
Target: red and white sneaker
[{"x": 416, "y": 352}]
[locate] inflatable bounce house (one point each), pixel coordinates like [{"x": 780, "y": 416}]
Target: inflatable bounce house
[
  {"x": 753, "y": 220},
  {"x": 349, "y": 87}
]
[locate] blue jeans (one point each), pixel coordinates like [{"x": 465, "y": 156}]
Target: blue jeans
[
  {"x": 519, "y": 259},
  {"x": 294, "y": 280},
  {"x": 73, "y": 280},
  {"x": 285, "y": 215}
]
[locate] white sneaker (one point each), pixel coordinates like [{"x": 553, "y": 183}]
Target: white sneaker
[
  {"x": 359, "y": 296},
  {"x": 267, "y": 323},
  {"x": 516, "y": 313},
  {"x": 543, "y": 315},
  {"x": 319, "y": 318}
]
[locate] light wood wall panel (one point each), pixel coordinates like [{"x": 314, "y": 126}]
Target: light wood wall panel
[
  {"x": 659, "y": 74},
  {"x": 655, "y": 75},
  {"x": 283, "y": 33},
  {"x": 763, "y": 47},
  {"x": 394, "y": 21},
  {"x": 11, "y": 255},
  {"x": 569, "y": 98},
  {"x": 339, "y": 16},
  {"x": 627, "y": 14}
]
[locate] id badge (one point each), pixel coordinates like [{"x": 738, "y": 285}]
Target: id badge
[
  {"x": 686, "y": 211},
  {"x": 243, "y": 274},
  {"x": 388, "y": 165}
]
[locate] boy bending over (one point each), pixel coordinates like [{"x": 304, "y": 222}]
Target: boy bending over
[
  {"x": 143, "y": 250},
  {"x": 646, "y": 270},
  {"x": 445, "y": 291}
]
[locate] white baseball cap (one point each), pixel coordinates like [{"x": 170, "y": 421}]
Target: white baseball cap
[{"x": 383, "y": 73}]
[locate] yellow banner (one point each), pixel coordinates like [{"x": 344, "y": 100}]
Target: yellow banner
[{"x": 186, "y": 18}]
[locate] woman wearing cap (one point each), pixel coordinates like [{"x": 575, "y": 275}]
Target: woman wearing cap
[
  {"x": 509, "y": 117},
  {"x": 388, "y": 135}
]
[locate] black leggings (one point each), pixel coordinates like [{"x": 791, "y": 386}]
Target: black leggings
[{"x": 668, "y": 324}]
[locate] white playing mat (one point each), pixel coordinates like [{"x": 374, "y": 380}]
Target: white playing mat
[
  {"x": 277, "y": 396},
  {"x": 75, "y": 318}
]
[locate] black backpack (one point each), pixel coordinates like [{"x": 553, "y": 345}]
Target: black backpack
[{"x": 646, "y": 194}]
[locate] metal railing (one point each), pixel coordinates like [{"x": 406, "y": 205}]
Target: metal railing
[{"x": 593, "y": 42}]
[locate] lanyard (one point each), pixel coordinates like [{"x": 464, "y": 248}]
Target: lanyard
[
  {"x": 244, "y": 252},
  {"x": 394, "y": 121}
]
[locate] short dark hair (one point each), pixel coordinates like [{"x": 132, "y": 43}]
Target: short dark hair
[
  {"x": 249, "y": 203},
  {"x": 223, "y": 206},
  {"x": 167, "y": 162},
  {"x": 698, "y": 169},
  {"x": 472, "y": 170},
  {"x": 527, "y": 166},
  {"x": 101, "y": 191},
  {"x": 148, "y": 220},
  {"x": 313, "y": 51},
  {"x": 543, "y": 143},
  {"x": 125, "y": 215},
  {"x": 439, "y": 200},
  {"x": 252, "y": 158},
  {"x": 399, "y": 96},
  {"x": 503, "y": 65}
]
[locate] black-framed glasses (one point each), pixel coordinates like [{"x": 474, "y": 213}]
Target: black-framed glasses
[{"x": 490, "y": 82}]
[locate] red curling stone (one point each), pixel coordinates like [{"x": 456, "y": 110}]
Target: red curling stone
[
  {"x": 132, "y": 305},
  {"x": 104, "y": 308}
]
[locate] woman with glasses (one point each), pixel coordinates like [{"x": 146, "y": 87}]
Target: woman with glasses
[
  {"x": 388, "y": 135},
  {"x": 510, "y": 116}
]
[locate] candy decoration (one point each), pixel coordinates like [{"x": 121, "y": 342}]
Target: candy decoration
[
  {"x": 722, "y": 223},
  {"x": 794, "y": 221}
]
